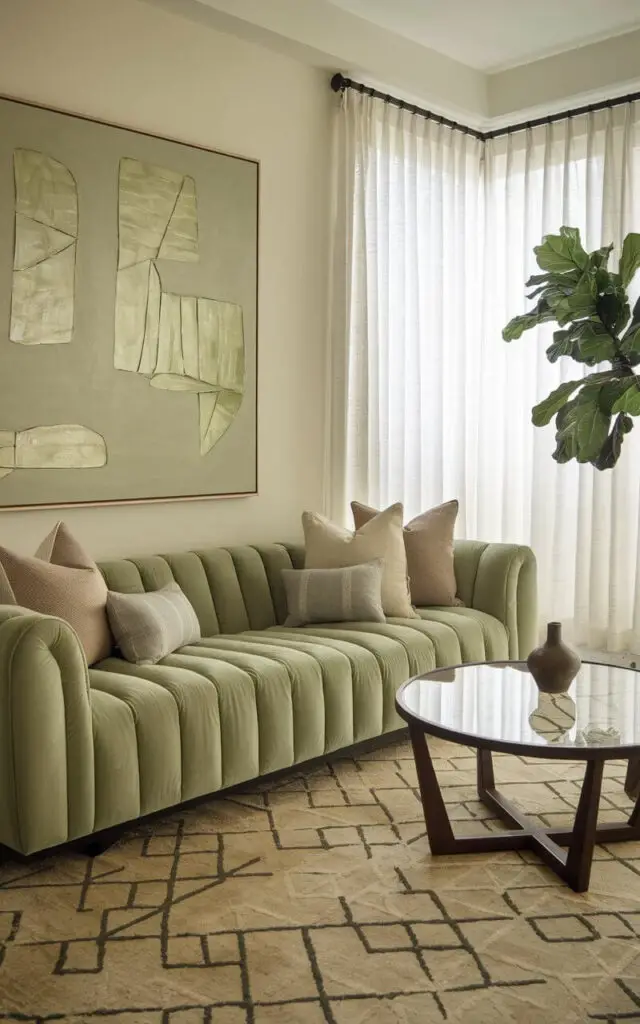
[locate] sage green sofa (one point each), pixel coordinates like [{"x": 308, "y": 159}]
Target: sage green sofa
[{"x": 84, "y": 750}]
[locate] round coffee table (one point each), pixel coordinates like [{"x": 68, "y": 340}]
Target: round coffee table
[{"x": 497, "y": 706}]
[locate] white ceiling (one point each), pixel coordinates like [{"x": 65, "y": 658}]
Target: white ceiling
[{"x": 491, "y": 35}]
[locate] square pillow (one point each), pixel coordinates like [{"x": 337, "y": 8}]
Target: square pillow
[
  {"x": 149, "y": 626},
  {"x": 60, "y": 580},
  {"x": 329, "y": 546},
  {"x": 428, "y": 541},
  {"x": 334, "y": 595}
]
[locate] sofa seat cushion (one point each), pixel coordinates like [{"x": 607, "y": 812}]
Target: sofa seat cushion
[
  {"x": 480, "y": 636},
  {"x": 231, "y": 707}
]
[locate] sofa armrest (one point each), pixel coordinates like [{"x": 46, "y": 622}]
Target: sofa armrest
[
  {"x": 500, "y": 579},
  {"x": 47, "y": 788}
]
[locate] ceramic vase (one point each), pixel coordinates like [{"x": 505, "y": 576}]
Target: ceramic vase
[{"x": 554, "y": 666}]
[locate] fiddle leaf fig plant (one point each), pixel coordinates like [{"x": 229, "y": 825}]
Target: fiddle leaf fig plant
[{"x": 589, "y": 303}]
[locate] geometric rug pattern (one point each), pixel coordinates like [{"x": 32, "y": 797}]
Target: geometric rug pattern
[{"x": 313, "y": 899}]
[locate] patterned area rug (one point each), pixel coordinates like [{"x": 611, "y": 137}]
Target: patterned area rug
[{"x": 314, "y": 900}]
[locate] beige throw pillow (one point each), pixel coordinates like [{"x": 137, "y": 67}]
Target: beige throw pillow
[
  {"x": 429, "y": 544},
  {"x": 60, "y": 580},
  {"x": 329, "y": 546}
]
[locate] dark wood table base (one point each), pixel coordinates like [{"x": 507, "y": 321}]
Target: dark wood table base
[
  {"x": 632, "y": 781},
  {"x": 573, "y": 864}
]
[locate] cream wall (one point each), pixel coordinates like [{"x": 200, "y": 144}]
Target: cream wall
[
  {"x": 325, "y": 35},
  {"x": 145, "y": 68}
]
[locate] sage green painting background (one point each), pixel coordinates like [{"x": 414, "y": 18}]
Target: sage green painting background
[{"x": 152, "y": 435}]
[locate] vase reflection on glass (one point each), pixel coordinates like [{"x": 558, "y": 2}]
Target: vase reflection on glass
[{"x": 554, "y": 716}]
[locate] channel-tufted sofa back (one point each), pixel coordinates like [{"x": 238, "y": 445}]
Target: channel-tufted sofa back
[{"x": 232, "y": 589}]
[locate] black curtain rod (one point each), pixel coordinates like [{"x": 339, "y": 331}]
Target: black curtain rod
[{"x": 339, "y": 83}]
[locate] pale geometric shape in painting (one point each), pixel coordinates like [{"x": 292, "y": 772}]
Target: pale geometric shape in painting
[
  {"x": 156, "y": 207},
  {"x": 180, "y": 241},
  {"x": 59, "y": 446},
  {"x": 217, "y": 412},
  {"x": 181, "y": 342},
  {"x": 44, "y": 261}
]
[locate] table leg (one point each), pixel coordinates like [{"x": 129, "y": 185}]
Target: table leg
[
  {"x": 486, "y": 778},
  {"x": 580, "y": 853},
  {"x": 632, "y": 781},
  {"x": 439, "y": 831},
  {"x": 572, "y": 864},
  {"x": 634, "y": 819}
]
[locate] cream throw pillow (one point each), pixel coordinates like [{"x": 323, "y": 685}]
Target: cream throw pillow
[
  {"x": 329, "y": 546},
  {"x": 60, "y": 580},
  {"x": 429, "y": 544}
]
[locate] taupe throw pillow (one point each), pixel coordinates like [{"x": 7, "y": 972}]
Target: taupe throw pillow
[
  {"x": 149, "y": 626},
  {"x": 60, "y": 580},
  {"x": 428, "y": 541},
  {"x": 334, "y": 595},
  {"x": 329, "y": 546}
]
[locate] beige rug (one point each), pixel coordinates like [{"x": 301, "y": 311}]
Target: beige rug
[{"x": 315, "y": 900}]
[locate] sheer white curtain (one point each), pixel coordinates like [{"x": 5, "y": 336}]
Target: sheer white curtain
[{"x": 434, "y": 235}]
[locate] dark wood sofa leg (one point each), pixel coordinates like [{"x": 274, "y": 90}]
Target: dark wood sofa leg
[{"x": 95, "y": 845}]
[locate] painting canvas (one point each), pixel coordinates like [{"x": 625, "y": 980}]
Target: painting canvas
[{"x": 128, "y": 314}]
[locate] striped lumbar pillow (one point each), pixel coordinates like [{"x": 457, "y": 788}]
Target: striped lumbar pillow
[
  {"x": 334, "y": 595},
  {"x": 149, "y": 626}
]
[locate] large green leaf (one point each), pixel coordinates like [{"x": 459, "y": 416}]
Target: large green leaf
[
  {"x": 563, "y": 344},
  {"x": 630, "y": 259},
  {"x": 516, "y": 327},
  {"x": 631, "y": 339},
  {"x": 564, "y": 280},
  {"x": 566, "y": 435},
  {"x": 566, "y": 448},
  {"x": 600, "y": 257},
  {"x": 592, "y": 427},
  {"x": 558, "y": 253},
  {"x": 613, "y": 310},
  {"x": 580, "y": 302},
  {"x": 606, "y": 282},
  {"x": 552, "y": 293},
  {"x": 545, "y": 411},
  {"x": 612, "y": 447},
  {"x": 595, "y": 343},
  {"x": 611, "y": 391},
  {"x": 567, "y": 343},
  {"x": 629, "y": 401},
  {"x": 582, "y": 427}
]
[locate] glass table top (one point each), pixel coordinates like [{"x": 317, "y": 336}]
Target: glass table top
[{"x": 501, "y": 703}]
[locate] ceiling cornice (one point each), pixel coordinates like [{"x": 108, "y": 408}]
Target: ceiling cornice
[{"x": 328, "y": 37}]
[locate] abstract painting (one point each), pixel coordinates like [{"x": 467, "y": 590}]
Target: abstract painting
[{"x": 129, "y": 359}]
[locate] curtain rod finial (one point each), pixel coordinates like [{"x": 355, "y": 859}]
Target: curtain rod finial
[{"x": 339, "y": 82}]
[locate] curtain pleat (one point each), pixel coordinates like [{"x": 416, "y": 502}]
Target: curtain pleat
[{"x": 433, "y": 240}]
